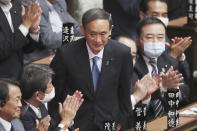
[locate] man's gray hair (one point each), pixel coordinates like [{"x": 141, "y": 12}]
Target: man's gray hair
[{"x": 96, "y": 13}]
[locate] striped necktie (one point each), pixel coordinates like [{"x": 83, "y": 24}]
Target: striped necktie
[{"x": 156, "y": 104}]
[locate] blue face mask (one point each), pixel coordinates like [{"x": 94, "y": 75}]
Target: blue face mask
[{"x": 154, "y": 50}]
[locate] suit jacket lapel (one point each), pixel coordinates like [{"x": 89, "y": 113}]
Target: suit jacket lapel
[
  {"x": 140, "y": 67},
  {"x": 106, "y": 68},
  {"x": 162, "y": 65},
  {"x": 26, "y": 108},
  {"x": 16, "y": 16},
  {"x": 83, "y": 61},
  {"x": 4, "y": 21}
]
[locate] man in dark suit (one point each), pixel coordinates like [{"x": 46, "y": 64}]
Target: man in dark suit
[
  {"x": 78, "y": 65},
  {"x": 15, "y": 24},
  {"x": 159, "y": 9},
  {"x": 125, "y": 15},
  {"x": 151, "y": 44},
  {"x": 10, "y": 104},
  {"x": 37, "y": 90}
]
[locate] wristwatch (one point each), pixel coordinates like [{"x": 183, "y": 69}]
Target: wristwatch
[{"x": 60, "y": 126}]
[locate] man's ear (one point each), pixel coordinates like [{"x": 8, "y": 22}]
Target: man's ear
[
  {"x": 38, "y": 96},
  {"x": 141, "y": 15},
  {"x": 82, "y": 29},
  {"x": 112, "y": 26},
  {"x": 137, "y": 41}
]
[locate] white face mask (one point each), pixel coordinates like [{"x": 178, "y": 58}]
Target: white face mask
[
  {"x": 48, "y": 97},
  {"x": 5, "y": 1},
  {"x": 154, "y": 50},
  {"x": 164, "y": 20}
]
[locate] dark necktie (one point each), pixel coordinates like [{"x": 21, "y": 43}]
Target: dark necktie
[
  {"x": 156, "y": 104},
  {"x": 95, "y": 72},
  {"x": 12, "y": 128}
]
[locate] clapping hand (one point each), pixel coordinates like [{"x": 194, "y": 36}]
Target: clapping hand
[
  {"x": 144, "y": 88},
  {"x": 171, "y": 79}
]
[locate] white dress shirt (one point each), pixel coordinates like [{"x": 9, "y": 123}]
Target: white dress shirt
[
  {"x": 56, "y": 22},
  {"x": 22, "y": 28},
  {"x": 35, "y": 109},
  {"x": 92, "y": 55},
  {"x": 7, "y": 125}
]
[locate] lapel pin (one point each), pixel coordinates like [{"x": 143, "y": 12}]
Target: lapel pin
[
  {"x": 163, "y": 69},
  {"x": 14, "y": 12},
  {"x": 108, "y": 62},
  {"x": 61, "y": 10}
]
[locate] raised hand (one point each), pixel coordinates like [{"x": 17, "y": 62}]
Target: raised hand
[
  {"x": 178, "y": 46},
  {"x": 31, "y": 17},
  {"x": 79, "y": 96},
  {"x": 172, "y": 79},
  {"x": 144, "y": 88},
  {"x": 70, "y": 107},
  {"x": 43, "y": 125}
]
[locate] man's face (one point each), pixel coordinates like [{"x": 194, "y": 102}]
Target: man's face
[
  {"x": 12, "y": 108},
  {"x": 48, "y": 90},
  {"x": 131, "y": 44},
  {"x": 151, "y": 33},
  {"x": 157, "y": 9},
  {"x": 97, "y": 33}
]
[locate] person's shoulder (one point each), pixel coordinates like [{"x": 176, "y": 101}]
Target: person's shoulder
[
  {"x": 17, "y": 124},
  {"x": 70, "y": 47},
  {"x": 17, "y": 3},
  {"x": 119, "y": 47},
  {"x": 169, "y": 59}
]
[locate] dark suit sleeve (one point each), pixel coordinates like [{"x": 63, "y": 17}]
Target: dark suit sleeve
[
  {"x": 28, "y": 123},
  {"x": 185, "y": 70},
  {"x": 59, "y": 83},
  {"x": 124, "y": 88},
  {"x": 130, "y": 7},
  {"x": 177, "y": 8},
  {"x": 11, "y": 43}
]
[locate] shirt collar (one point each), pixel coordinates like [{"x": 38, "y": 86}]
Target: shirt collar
[
  {"x": 91, "y": 54},
  {"x": 147, "y": 59},
  {"x": 50, "y": 5},
  {"x": 35, "y": 109},
  {"x": 7, "y": 125},
  {"x": 6, "y": 8}
]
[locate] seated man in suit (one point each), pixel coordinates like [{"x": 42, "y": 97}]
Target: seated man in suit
[
  {"x": 159, "y": 9},
  {"x": 37, "y": 90},
  {"x": 126, "y": 40},
  {"x": 54, "y": 14},
  {"x": 10, "y": 106},
  {"x": 152, "y": 59},
  {"x": 18, "y": 30}
]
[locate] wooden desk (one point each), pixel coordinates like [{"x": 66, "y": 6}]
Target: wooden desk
[
  {"x": 45, "y": 61},
  {"x": 161, "y": 124}
]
